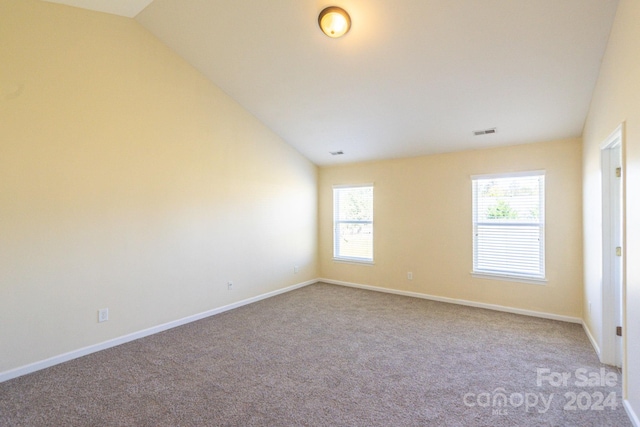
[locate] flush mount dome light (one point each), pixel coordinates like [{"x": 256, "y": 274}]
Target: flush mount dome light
[{"x": 334, "y": 21}]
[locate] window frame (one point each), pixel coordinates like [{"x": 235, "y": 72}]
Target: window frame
[
  {"x": 524, "y": 277},
  {"x": 336, "y": 229}
]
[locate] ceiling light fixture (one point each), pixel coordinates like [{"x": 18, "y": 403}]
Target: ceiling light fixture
[{"x": 334, "y": 21}]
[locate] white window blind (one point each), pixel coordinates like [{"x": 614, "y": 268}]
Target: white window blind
[
  {"x": 508, "y": 225},
  {"x": 353, "y": 223}
]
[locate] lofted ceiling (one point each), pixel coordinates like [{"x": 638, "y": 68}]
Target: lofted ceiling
[
  {"x": 412, "y": 77},
  {"x": 128, "y": 8}
]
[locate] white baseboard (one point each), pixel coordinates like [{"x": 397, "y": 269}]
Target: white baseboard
[
  {"x": 458, "y": 301},
  {"x": 43, "y": 364},
  {"x": 593, "y": 341},
  {"x": 632, "y": 414}
]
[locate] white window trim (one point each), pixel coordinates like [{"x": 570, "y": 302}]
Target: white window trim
[
  {"x": 539, "y": 172},
  {"x": 367, "y": 184},
  {"x": 510, "y": 278},
  {"x": 346, "y": 260},
  {"x": 524, "y": 278},
  {"x": 350, "y": 260}
]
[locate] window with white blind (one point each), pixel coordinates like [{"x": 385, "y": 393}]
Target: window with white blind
[
  {"x": 508, "y": 225},
  {"x": 353, "y": 223}
]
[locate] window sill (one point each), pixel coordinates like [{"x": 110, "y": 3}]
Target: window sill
[
  {"x": 353, "y": 261},
  {"x": 510, "y": 278}
]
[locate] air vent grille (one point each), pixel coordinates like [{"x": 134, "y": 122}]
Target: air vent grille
[
  {"x": 484, "y": 132},
  {"x": 336, "y": 153}
]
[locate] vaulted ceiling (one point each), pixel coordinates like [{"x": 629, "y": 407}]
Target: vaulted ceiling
[{"x": 412, "y": 77}]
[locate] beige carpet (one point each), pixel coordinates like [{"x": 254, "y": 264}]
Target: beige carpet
[{"x": 331, "y": 356}]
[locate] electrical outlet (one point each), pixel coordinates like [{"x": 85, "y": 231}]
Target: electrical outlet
[
  {"x": 410, "y": 275},
  {"x": 229, "y": 286},
  {"x": 103, "y": 315},
  {"x": 296, "y": 269}
]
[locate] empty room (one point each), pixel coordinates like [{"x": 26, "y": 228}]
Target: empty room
[{"x": 319, "y": 213}]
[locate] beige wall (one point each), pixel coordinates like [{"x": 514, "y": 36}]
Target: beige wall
[
  {"x": 616, "y": 100},
  {"x": 128, "y": 181},
  {"x": 422, "y": 224}
]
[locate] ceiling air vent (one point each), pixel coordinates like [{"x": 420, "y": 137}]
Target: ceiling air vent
[
  {"x": 484, "y": 132},
  {"x": 336, "y": 153}
]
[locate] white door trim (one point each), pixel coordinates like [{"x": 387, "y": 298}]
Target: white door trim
[{"x": 611, "y": 309}]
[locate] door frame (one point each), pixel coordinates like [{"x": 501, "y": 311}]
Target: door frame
[{"x": 613, "y": 297}]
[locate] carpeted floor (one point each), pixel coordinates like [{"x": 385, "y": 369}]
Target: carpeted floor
[{"x": 326, "y": 355}]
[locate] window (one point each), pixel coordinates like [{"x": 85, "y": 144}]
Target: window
[
  {"x": 508, "y": 225},
  {"x": 353, "y": 223}
]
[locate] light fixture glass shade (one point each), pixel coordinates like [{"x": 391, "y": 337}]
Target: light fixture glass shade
[{"x": 334, "y": 21}]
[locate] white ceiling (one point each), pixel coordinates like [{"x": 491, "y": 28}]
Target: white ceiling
[
  {"x": 128, "y": 8},
  {"x": 412, "y": 77}
]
